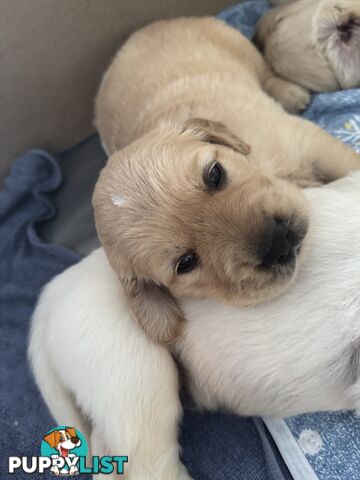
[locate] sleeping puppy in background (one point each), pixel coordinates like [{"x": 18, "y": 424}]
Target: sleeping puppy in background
[
  {"x": 200, "y": 198},
  {"x": 315, "y": 43},
  {"x": 295, "y": 354}
]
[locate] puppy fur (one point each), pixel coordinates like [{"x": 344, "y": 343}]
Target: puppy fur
[
  {"x": 121, "y": 391},
  {"x": 315, "y": 43},
  {"x": 295, "y": 354},
  {"x": 180, "y": 96}
]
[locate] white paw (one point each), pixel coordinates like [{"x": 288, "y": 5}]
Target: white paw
[
  {"x": 55, "y": 470},
  {"x": 73, "y": 470}
]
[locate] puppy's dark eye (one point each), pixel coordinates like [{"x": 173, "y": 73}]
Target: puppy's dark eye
[
  {"x": 186, "y": 263},
  {"x": 215, "y": 177}
]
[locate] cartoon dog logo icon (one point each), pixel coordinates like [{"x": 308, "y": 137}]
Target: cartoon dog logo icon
[{"x": 64, "y": 441}]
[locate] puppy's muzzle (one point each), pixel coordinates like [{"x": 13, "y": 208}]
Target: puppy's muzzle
[{"x": 281, "y": 244}]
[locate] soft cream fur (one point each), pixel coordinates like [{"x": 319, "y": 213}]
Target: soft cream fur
[
  {"x": 297, "y": 353},
  {"x": 315, "y": 43},
  {"x": 121, "y": 391},
  {"x": 180, "y": 96}
]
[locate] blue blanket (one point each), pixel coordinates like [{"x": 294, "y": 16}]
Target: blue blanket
[{"x": 215, "y": 446}]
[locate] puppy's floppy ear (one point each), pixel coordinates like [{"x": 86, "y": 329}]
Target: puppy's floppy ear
[
  {"x": 217, "y": 133},
  {"x": 154, "y": 308},
  {"x": 50, "y": 438}
]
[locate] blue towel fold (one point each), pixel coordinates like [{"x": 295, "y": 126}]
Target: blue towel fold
[{"x": 26, "y": 264}]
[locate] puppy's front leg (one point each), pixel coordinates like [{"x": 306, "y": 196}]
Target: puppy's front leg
[
  {"x": 135, "y": 409},
  {"x": 153, "y": 453}
]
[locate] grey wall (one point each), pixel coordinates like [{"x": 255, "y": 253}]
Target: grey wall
[{"x": 52, "y": 55}]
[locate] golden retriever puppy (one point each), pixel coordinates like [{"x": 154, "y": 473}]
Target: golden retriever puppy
[
  {"x": 315, "y": 43},
  {"x": 199, "y": 197}
]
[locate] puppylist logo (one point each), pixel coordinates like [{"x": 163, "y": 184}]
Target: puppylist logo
[{"x": 63, "y": 453}]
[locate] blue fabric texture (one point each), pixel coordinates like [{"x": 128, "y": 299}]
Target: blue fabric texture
[
  {"x": 26, "y": 264},
  {"x": 330, "y": 442},
  {"x": 245, "y": 16}
]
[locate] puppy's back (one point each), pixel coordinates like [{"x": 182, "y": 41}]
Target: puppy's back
[{"x": 165, "y": 53}]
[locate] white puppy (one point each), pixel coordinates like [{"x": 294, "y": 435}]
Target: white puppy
[{"x": 298, "y": 353}]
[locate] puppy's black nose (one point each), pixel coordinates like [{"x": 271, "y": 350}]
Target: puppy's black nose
[
  {"x": 74, "y": 440},
  {"x": 279, "y": 245}
]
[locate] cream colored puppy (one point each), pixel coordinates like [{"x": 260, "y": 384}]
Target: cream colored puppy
[
  {"x": 297, "y": 353},
  {"x": 199, "y": 197},
  {"x": 315, "y": 43}
]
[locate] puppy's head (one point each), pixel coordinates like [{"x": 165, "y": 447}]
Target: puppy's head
[
  {"x": 337, "y": 36},
  {"x": 184, "y": 213}
]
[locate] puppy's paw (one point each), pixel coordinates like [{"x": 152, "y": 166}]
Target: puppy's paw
[
  {"x": 294, "y": 98},
  {"x": 291, "y": 96}
]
